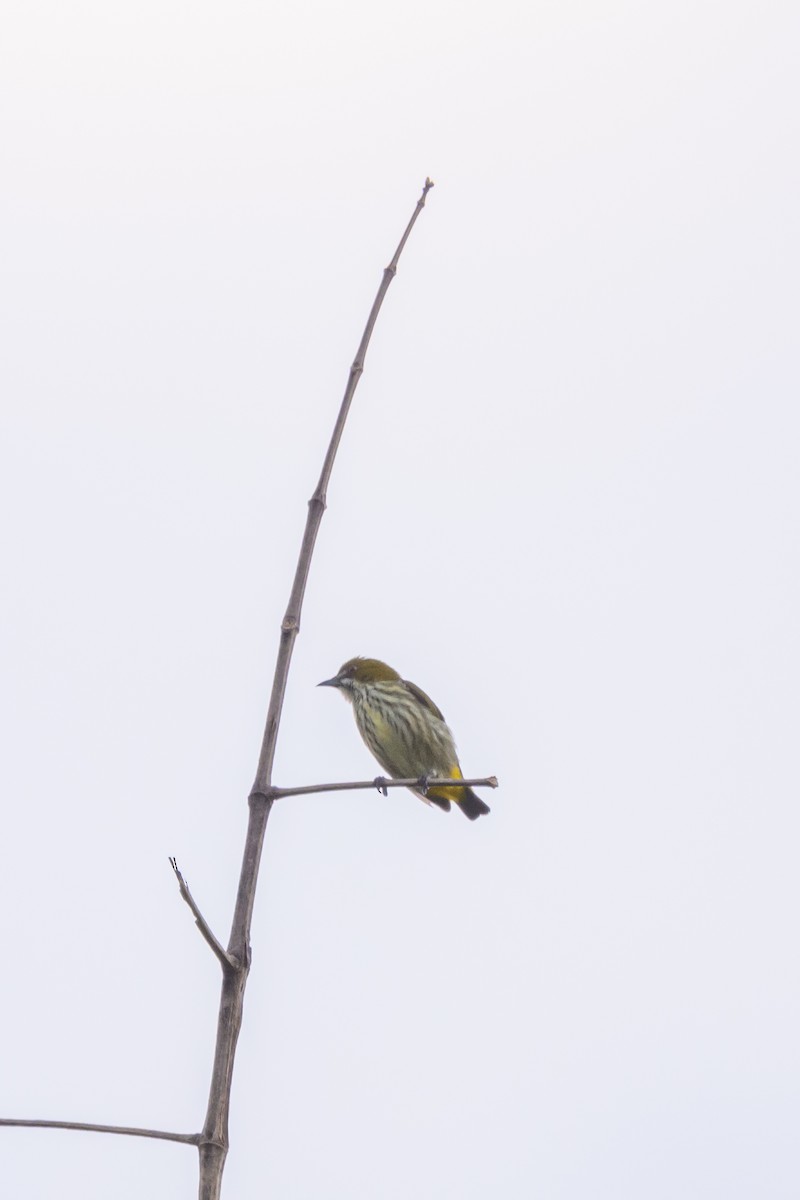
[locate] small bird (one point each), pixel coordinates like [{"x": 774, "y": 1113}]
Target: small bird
[{"x": 405, "y": 731}]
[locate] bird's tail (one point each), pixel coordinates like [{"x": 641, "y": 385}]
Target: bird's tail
[{"x": 470, "y": 804}]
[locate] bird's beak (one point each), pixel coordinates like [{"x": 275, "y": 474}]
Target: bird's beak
[{"x": 335, "y": 682}]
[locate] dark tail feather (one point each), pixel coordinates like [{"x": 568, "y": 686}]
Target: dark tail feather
[{"x": 471, "y": 805}]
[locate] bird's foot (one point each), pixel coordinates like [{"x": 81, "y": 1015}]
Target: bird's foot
[
  {"x": 424, "y": 783},
  {"x": 380, "y": 783}
]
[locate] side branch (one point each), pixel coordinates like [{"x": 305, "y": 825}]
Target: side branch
[
  {"x": 381, "y": 784},
  {"x": 187, "y": 1139},
  {"x": 227, "y": 961}
]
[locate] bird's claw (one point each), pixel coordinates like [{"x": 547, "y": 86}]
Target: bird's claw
[
  {"x": 380, "y": 784},
  {"x": 424, "y": 783}
]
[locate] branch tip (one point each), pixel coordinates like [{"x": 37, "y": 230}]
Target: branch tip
[{"x": 227, "y": 961}]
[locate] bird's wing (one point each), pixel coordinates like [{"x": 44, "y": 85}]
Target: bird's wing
[{"x": 424, "y": 699}]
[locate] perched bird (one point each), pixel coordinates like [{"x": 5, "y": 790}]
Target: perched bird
[{"x": 405, "y": 731}]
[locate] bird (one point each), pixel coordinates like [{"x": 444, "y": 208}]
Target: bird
[{"x": 405, "y": 731}]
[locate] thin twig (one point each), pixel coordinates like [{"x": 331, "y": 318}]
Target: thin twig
[
  {"x": 225, "y": 959},
  {"x": 188, "y": 1139},
  {"x": 213, "y": 1147},
  {"x": 276, "y": 793}
]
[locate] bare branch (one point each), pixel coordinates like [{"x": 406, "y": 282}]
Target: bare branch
[
  {"x": 213, "y": 1146},
  {"x": 226, "y": 960},
  {"x": 290, "y": 625},
  {"x": 188, "y": 1139},
  {"x": 212, "y": 1142},
  {"x": 276, "y": 793}
]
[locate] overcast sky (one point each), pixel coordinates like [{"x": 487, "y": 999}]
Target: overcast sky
[{"x": 566, "y": 505}]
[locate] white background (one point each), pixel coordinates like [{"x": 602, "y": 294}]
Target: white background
[{"x": 566, "y": 505}]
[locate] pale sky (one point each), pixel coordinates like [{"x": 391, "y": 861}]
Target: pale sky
[{"x": 566, "y": 505}]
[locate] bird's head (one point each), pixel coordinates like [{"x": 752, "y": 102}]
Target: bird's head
[{"x": 360, "y": 672}]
